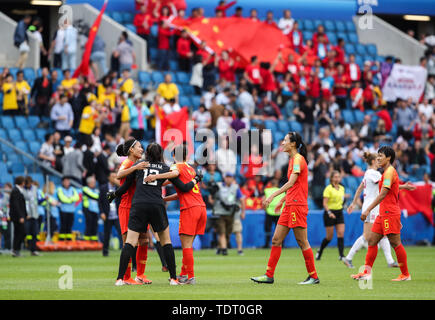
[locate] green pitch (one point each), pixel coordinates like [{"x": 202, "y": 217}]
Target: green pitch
[{"x": 218, "y": 277}]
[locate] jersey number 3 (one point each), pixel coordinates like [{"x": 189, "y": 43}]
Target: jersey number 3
[{"x": 147, "y": 172}]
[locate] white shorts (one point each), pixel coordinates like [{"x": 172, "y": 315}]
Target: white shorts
[{"x": 371, "y": 217}]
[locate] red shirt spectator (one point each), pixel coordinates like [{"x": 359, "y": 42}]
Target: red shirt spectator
[
  {"x": 252, "y": 72},
  {"x": 341, "y": 82},
  {"x": 385, "y": 115},
  {"x": 353, "y": 70},
  {"x": 163, "y": 36},
  {"x": 143, "y": 22},
  {"x": 138, "y": 4},
  {"x": 224, "y": 7},
  {"x": 340, "y": 56},
  {"x": 314, "y": 87},
  {"x": 227, "y": 68},
  {"x": 183, "y": 47},
  {"x": 320, "y": 32},
  {"x": 296, "y": 38},
  {"x": 268, "y": 83},
  {"x": 269, "y": 19}
]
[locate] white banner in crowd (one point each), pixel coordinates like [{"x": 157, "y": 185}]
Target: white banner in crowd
[{"x": 405, "y": 82}]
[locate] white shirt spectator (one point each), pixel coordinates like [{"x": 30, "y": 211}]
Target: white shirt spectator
[
  {"x": 208, "y": 96},
  {"x": 286, "y": 25},
  {"x": 48, "y": 151},
  {"x": 226, "y": 160},
  {"x": 340, "y": 132},
  {"x": 197, "y": 78},
  {"x": 58, "y": 45},
  {"x": 222, "y": 99},
  {"x": 168, "y": 108},
  {"x": 427, "y": 110},
  {"x": 202, "y": 119},
  {"x": 70, "y": 39},
  {"x": 223, "y": 124},
  {"x": 247, "y": 103}
]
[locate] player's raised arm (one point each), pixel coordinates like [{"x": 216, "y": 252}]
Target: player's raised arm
[
  {"x": 162, "y": 176},
  {"x": 185, "y": 187},
  {"x": 123, "y": 189},
  {"x": 122, "y": 173}
]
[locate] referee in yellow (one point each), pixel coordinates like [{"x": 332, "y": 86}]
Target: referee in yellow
[{"x": 333, "y": 200}]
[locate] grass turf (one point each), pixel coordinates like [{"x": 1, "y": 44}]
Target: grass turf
[{"x": 218, "y": 277}]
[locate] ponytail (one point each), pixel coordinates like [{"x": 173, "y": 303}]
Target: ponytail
[
  {"x": 369, "y": 157},
  {"x": 303, "y": 151},
  {"x": 300, "y": 145},
  {"x": 120, "y": 150}
]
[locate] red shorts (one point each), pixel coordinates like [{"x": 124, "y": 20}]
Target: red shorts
[
  {"x": 193, "y": 221},
  {"x": 294, "y": 216},
  {"x": 123, "y": 214},
  {"x": 387, "y": 224}
]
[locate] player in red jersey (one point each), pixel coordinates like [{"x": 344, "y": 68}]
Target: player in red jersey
[
  {"x": 387, "y": 223},
  {"x": 193, "y": 213},
  {"x": 294, "y": 215},
  {"x": 133, "y": 150}
]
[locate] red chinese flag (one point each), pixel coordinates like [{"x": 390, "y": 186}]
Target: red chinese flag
[
  {"x": 173, "y": 127},
  {"x": 243, "y": 37},
  {"x": 417, "y": 201},
  {"x": 83, "y": 68}
]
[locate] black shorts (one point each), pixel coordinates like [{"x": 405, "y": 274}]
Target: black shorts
[
  {"x": 329, "y": 222},
  {"x": 143, "y": 214}
]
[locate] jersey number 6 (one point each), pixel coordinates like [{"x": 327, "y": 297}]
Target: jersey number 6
[{"x": 147, "y": 172}]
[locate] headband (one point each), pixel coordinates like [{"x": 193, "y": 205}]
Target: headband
[{"x": 132, "y": 145}]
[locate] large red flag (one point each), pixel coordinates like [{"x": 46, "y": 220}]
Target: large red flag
[
  {"x": 173, "y": 127},
  {"x": 83, "y": 68},
  {"x": 243, "y": 37},
  {"x": 417, "y": 201}
]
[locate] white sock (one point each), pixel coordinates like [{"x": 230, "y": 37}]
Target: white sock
[
  {"x": 384, "y": 244},
  {"x": 359, "y": 243}
]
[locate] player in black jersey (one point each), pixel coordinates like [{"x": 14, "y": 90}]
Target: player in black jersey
[{"x": 148, "y": 208}]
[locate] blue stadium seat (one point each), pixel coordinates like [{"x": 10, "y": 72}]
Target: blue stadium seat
[
  {"x": 184, "y": 101},
  {"x": 1, "y": 100},
  {"x": 329, "y": 26},
  {"x": 360, "y": 49},
  {"x": 14, "y": 135},
  {"x": 17, "y": 168},
  {"x": 34, "y": 147},
  {"x": 144, "y": 78},
  {"x": 13, "y": 71},
  {"x": 349, "y": 48},
  {"x": 21, "y": 122},
  {"x": 117, "y": 16},
  {"x": 359, "y": 60},
  {"x": 359, "y": 116},
  {"x": 181, "y": 90},
  {"x": 130, "y": 27},
  {"x": 196, "y": 101},
  {"x": 8, "y": 178},
  {"x": 332, "y": 37},
  {"x": 22, "y": 145},
  {"x": 153, "y": 54},
  {"x": 127, "y": 17},
  {"x": 3, "y": 134},
  {"x": 353, "y": 37},
  {"x": 7, "y": 150},
  {"x": 271, "y": 125},
  {"x": 307, "y": 35},
  {"x": 309, "y": 25},
  {"x": 371, "y": 50},
  {"x": 173, "y": 64},
  {"x": 3, "y": 168},
  {"x": 350, "y": 26},
  {"x": 296, "y": 126},
  {"x": 174, "y": 78},
  {"x": 182, "y": 77},
  {"x": 380, "y": 58},
  {"x": 28, "y": 135},
  {"x": 278, "y": 136},
  {"x": 39, "y": 178},
  {"x": 7, "y": 122},
  {"x": 108, "y": 14},
  {"x": 367, "y": 58},
  {"x": 343, "y": 36},
  {"x": 154, "y": 30},
  {"x": 317, "y": 23},
  {"x": 340, "y": 26},
  {"x": 284, "y": 126},
  {"x": 40, "y": 134},
  {"x": 187, "y": 89},
  {"x": 157, "y": 77},
  {"x": 348, "y": 116},
  {"x": 29, "y": 74}
]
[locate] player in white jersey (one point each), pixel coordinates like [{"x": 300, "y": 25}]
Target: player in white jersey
[{"x": 371, "y": 191}]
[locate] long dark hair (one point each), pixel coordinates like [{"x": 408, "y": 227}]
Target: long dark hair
[
  {"x": 300, "y": 145},
  {"x": 154, "y": 153},
  {"x": 123, "y": 149}
]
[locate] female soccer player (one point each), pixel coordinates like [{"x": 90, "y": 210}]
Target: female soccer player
[
  {"x": 371, "y": 190},
  {"x": 388, "y": 221},
  {"x": 132, "y": 149},
  {"x": 294, "y": 215},
  {"x": 148, "y": 208},
  {"x": 193, "y": 213},
  {"x": 333, "y": 199}
]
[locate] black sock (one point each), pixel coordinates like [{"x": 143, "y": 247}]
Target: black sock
[
  {"x": 133, "y": 259},
  {"x": 126, "y": 253},
  {"x": 169, "y": 254},
  {"x": 340, "y": 245},
  {"x": 161, "y": 255},
  {"x": 325, "y": 242}
]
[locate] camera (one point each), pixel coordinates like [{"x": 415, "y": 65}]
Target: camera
[{"x": 212, "y": 187}]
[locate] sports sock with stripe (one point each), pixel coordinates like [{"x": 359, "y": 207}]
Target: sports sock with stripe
[
  {"x": 275, "y": 253},
  {"x": 126, "y": 254},
  {"x": 309, "y": 262},
  {"x": 168, "y": 252},
  {"x": 188, "y": 262},
  {"x": 372, "y": 252},
  {"x": 358, "y": 244},
  {"x": 402, "y": 259},
  {"x": 384, "y": 244},
  {"x": 141, "y": 259}
]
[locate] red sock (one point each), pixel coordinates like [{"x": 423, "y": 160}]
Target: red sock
[
  {"x": 372, "y": 252},
  {"x": 275, "y": 253},
  {"x": 141, "y": 259},
  {"x": 309, "y": 262},
  {"x": 188, "y": 262},
  {"x": 127, "y": 274},
  {"x": 402, "y": 259}
]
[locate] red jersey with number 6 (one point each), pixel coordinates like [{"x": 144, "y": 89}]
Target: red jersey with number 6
[
  {"x": 128, "y": 196},
  {"x": 192, "y": 198}
]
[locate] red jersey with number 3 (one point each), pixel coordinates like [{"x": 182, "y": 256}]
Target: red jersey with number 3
[
  {"x": 192, "y": 198},
  {"x": 298, "y": 194},
  {"x": 128, "y": 196},
  {"x": 390, "y": 205}
]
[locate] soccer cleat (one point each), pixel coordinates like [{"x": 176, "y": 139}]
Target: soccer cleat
[
  {"x": 119, "y": 283},
  {"x": 310, "y": 280},
  {"x": 240, "y": 253},
  {"x": 361, "y": 276},
  {"x": 218, "y": 251},
  {"x": 143, "y": 279},
  {"x": 174, "y": 282},
  {"x": 262, "y": 279},
  {"x": 131, "y": 282},
  {"x": 402, "y": 277},
  {"x": 393, "y": 265},
  {"x": 348, "y": 263},
  {"x": 318, "y": 255},
  {"x": 35, "y": 253},
  {"x": 182, "y": 278},
  {"x": 185, "y": 280},
  {"x": 224, "y": 252}
]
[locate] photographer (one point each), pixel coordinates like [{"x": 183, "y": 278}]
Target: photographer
[{"x": 225, "y": 201}]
